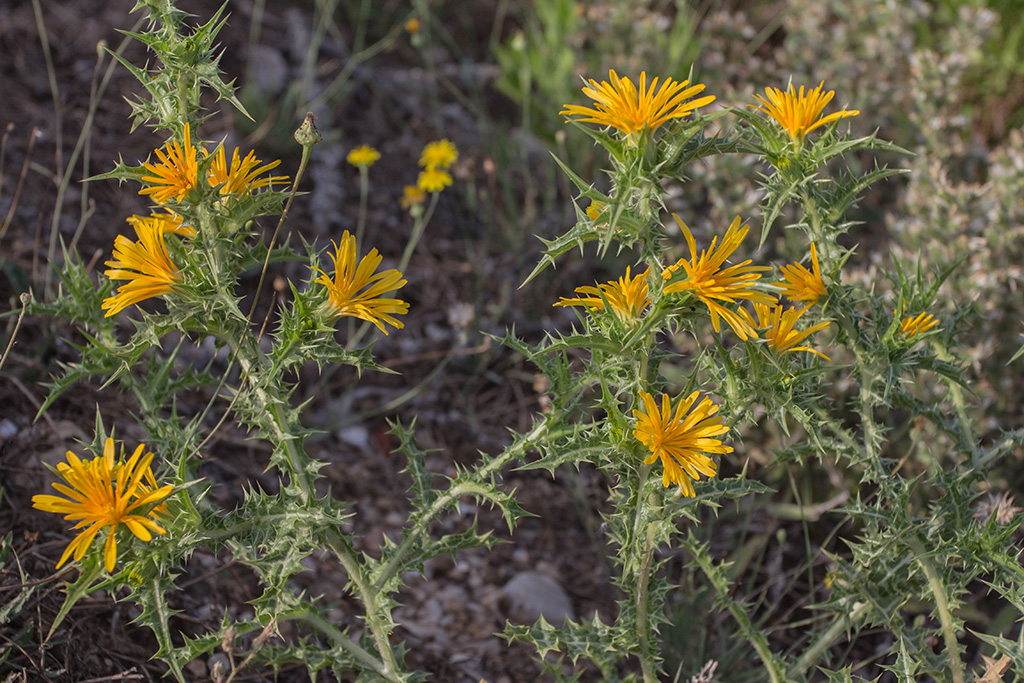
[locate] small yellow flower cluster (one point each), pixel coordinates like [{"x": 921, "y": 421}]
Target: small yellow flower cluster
[
  {"x": 146, "y": 263},
  {"x": 682, "y": 440},
  {"x": 716, "y": 286},
  {"x": 101, "y": 493},
  {"x": 436, "y": 159}
]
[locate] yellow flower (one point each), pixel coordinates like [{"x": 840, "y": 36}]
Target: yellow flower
[
  {"x": 911, "y": 326},
  {"x": 710, "y": 283},
  {"x": 778, "y": 326},
  {"x": 101, "y": 493},
  {"x": 433, "y": 180},
  {"x": 412, "y": 196},
  {"x": 595, "y": 209},
  {"x": 800, "y": 284},
  {"x": 683, "y": 440},
  {"x": 241, "y": 177},
  {"x": 799, "y": 113},
  {"x": 364, "y": 155},
  {"x": 167, "y": 223},
  {"x": 146, "y": 264},
  {"x": 627, "y": 296},
  {"x": 412, "y": 25},
  {"x": 621, "y": 105},
  {"x": 343, "y": 295},
  {"x": 439, "y": 154},
  {"x": 176, "y": 174}
]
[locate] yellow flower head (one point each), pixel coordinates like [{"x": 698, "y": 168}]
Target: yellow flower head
[
  {"x": 595, "y": 209},
  {"x": 711, "y": 283},
  {"x": 619, "y": 104},
  {"x": 241, "y": 177},
  {"x": 798, "y": 113},
  {"x": 177, "y": 173},
  {"x": 627, "y": 296},
  {"x": 433, "y": 180},
  {"x": 911, "y": 326},
  {"x": 412, "y": 196},
  {"x": 778, "y": 326},
  {"x": 364, "y": 155},
  {"x": 682, "y": 440},
  {"x": 800, "y": 284},
  {"x": 439, "y": 154},
  {"x": 145, "y": 264},
  {"x": 343, "y": 295},
  {"x": 167, "y": 222},
  {"x": 103, "y": 493},
  {"x": 412, "y": 26}
]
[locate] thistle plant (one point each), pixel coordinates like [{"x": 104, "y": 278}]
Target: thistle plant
[
  {"x": 665, "y": 370},
  {"x": 152, "y": 508},
  {"x": 917, "y": 538}
]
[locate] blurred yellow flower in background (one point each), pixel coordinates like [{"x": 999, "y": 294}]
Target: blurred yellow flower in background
[
  {"x": 412, "y": 196},
  {"x": 433, "y": 180},
  {"x": 439, "y": 154},
  {"x": 364, "y": 155}
]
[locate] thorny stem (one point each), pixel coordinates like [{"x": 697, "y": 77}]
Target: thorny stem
[
  {"x": 941, "y": 606},
  {"x": 721, "y": 585},
  {"x": 344, "y": 642},
  {"x": 370, "y": 597},
  {"x": 539, "y": 433},
  {"x": 643, "y": 580}
]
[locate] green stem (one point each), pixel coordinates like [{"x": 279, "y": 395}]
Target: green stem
[
  {"x": 336, "y": 636},
  {"x": 492, "y": 468},
  {"x": 364, "y": 191},
  {"x": 720, "y": 583},
  {"x": 254, "y": 364},
  {"x": 417, "y": 232},
  {"x": 811, "y": 655},
  {"x": 941, "y": 606},
  {"x": 967, "y": 431},
  {"x": 643, "y": 630},
  {"x": 370, "y": 596}
]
